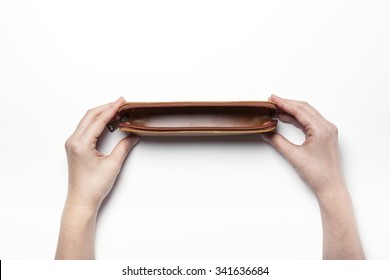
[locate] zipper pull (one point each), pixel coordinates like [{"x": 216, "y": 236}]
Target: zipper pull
[{"x": 113, "y": 125}]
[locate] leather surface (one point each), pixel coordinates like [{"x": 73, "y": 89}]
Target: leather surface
[{"x": 197, "y": 118}]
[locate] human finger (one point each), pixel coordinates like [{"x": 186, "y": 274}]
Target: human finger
[
  {"x": 123, "y": 148},
  {"x": 89, "y": 117},
  {"x": 287, "y": 118},
  {"x": 301, "y": 111},
  {"x": 304, "y": 104},
  {"x": 280, "y": 143},
  {"x": 93, "y": 131}
]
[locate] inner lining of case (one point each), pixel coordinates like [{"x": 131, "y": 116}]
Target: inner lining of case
[{"x": 197, "y": 117}]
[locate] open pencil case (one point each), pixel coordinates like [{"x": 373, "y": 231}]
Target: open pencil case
[{"x": 195, "y": 118}]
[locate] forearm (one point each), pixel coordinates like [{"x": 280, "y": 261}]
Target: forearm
[
  {"x": 77, "y": 233},
  {"x": 340, "y": 234}
]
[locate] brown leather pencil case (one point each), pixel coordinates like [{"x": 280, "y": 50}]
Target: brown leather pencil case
[{"x": 195, "y": 118}]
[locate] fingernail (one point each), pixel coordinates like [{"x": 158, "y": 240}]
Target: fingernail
[
  {"x": 265, "y": 137},
  {"x": 135, "y": 139},
  {"x": 119, "y": 99}
]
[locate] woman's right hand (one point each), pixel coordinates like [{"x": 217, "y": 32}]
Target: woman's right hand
[{"x": 317, "y": 160}]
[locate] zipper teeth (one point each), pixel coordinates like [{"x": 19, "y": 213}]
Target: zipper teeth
[
  {"x": 178, "y": 104},
  {"x": 205, "y": 132},
  {"x": 184, "y": 128},
  {"x": 135, "y": 105},
  {"x": 196, "y": 102}
]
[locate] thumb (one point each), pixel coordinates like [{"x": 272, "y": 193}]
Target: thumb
[
  {"x": 281, "y": 144},
  {"x": 122, "y": 149}
]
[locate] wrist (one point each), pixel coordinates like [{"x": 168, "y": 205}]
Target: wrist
[
  {"x": 78, "y": 203},
  {"x": 77, "y": 233},
  {"x": 79, "y": 214},
  {"x": 329, "y": 186},
  {"x": 333, "y": 195}
]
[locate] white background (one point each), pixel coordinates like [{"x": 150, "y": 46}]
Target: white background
[{"x": 192, "y": 198}]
